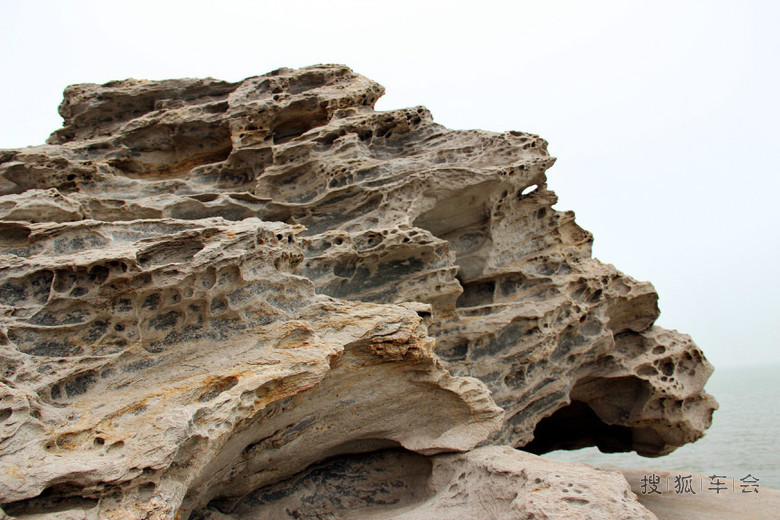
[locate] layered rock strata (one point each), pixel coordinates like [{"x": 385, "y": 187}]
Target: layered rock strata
[{"x": 207, "y": 287}]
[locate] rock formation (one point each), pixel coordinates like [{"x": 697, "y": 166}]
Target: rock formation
[{"x": 266, "y": 300}]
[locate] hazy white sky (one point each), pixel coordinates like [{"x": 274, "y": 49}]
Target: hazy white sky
[{"x": 664, "y": 115}]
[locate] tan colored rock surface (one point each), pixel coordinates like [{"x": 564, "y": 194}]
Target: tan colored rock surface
[
  {"x": 498, "y": 483},
  {"x": 206, "y": 287},
  {"x": 157, "y": 364}
]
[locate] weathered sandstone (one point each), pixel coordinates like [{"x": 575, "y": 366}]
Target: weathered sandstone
[
  {"x": 208, "y": 289},
  {"x": 497, "y": 483}
]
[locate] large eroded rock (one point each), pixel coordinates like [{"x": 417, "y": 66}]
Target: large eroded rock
[{"x": 206, "y": 287}]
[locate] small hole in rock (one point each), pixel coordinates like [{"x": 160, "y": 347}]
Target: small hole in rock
[
  {"x": 117, "y": 445},
  {"x": 529, "y": 190}
]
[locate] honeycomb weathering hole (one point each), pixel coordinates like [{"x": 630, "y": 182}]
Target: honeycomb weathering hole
[{"x": 529, "y": 190}]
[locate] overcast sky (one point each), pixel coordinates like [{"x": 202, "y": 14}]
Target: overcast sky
[{"x": 664, "y": 115}]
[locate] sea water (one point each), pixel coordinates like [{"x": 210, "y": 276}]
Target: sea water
[{"x": 743, "y": 439}]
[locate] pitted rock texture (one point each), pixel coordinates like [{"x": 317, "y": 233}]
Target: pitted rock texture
[
  {"x": 206, "y": 287},
  {"x": 150, "y": 365},
  {"x": 494, "y": 482}
]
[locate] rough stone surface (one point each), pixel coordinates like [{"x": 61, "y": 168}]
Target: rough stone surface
[
  {"x": 495, "y": 482},
  {"x": 157, "y": 363},
  {"x": 206, "y": 287}
]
